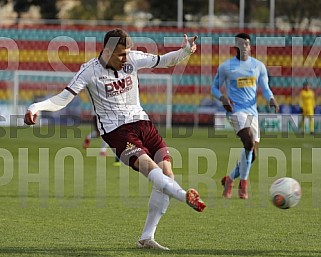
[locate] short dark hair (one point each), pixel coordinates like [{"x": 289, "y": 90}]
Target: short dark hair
[
  {"x": 123, "y": 37},
  {"x": 243, "y": 36}
]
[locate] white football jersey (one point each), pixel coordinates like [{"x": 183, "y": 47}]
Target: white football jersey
[{"x": 114, "y": 94}]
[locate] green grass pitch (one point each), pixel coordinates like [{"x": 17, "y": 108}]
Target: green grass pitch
[{"x": 56, "y": 199}]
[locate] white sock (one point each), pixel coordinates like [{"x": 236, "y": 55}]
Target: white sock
[
  {"x": 166, "y": 184},
  {"x": 157, "y": 206}
]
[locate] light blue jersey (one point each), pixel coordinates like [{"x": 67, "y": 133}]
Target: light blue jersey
[{"x": 241, "y": 79}]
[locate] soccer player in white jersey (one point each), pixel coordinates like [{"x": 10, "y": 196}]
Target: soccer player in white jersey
[
  {"x": 242, "y": 75},
  {"x": 112, "y": 84}
]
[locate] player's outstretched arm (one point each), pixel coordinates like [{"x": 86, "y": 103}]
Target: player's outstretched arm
[
  {"x": 173, "y": 58},
  {"x": 52, "y": 104}
]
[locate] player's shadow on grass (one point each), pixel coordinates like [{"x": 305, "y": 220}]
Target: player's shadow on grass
[
  {"x": 220, "y": 252},
  {"x": 227, "y": 253},
  {"x": 63, "y": 251},
  {"x": 106, "y": 252}
]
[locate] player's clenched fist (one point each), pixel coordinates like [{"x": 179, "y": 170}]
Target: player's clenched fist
[{"x": 30, "y": 119}]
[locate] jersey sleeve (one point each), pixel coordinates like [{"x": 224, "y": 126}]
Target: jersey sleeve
[
  {"x": 143, "y": 60},
  {"x": 147, "y": 60},
  {"x": 263, "y": 82},
  {"x": 54, "y": 103},
  {"x": 79, "y": 81}
]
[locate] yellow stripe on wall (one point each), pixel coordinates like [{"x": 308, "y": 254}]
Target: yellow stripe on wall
[{"x": 196, "y": 59}]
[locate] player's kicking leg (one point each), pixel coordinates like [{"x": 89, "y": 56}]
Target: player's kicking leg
[
  {"x": 163, "y": 188},
  {"x": 170, "y": 187}
]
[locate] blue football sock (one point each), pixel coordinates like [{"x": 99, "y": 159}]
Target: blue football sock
[
  {"x": 245, "y": 163},
  {"x": 235, "y": 173}
]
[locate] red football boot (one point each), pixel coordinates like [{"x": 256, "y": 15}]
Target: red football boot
[
  {"x": 193, "y": 200},
  {"x": 243, "y": 189},
  {"x": 227, "y": 182}
]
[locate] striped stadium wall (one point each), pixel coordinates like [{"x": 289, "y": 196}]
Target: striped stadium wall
[{"x": 291, "y": 59}]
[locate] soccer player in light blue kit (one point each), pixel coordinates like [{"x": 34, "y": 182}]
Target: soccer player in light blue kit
[{"x": 242, "y": 75}]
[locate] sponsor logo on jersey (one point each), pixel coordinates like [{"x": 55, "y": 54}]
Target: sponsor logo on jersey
[
  {"x": 246, "y": 82},
  {"x": 118, "y": 87},
  {"x": 128, "y": 68}
]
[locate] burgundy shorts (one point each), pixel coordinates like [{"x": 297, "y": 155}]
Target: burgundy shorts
[{"x": 134, "y": 139}]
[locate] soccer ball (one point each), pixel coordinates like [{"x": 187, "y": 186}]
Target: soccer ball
[{"x": 285, "y": 193}]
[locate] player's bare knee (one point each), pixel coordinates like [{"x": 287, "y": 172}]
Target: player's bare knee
[
  {"x": 166, "y": 166},
  {"x": 169, "y": 174},
  {"x": 144, "y": 164}
]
